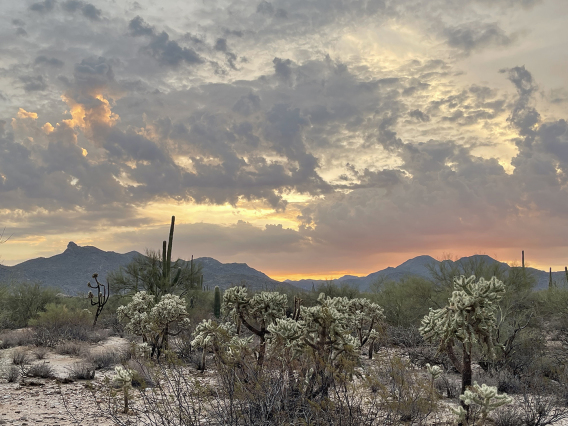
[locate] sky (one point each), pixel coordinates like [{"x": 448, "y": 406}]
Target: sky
[{"x": 307, "y": 138}]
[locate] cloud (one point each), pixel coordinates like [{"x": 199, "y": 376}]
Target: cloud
[
  {"x": 419, "y": 115},
  {"x": 34, "y": 83},
  {"x": 52, "y": 62},
  {"x": 87, "y": 9},
  {"x": 43, "y": 7},
  {"x": 167, "y": 52},
  {"x": 475, "y": 36}
]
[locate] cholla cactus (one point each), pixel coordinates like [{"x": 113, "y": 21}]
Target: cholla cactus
[
  {"x": 434, "y": 371},
  {"x": 468, "y": 318},
  {"x": 153, "y": 320},
  {"x": 210, "y": 334},
  {"x": 367, "y": 318},
  {"x": 256, "y": 313},
  {"x": 327, "y": 335},
  {"x": 123, "y": 379},
  {"x": 484, "y": 396}
]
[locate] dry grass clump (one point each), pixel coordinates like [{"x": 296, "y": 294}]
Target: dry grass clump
[
  {"x": 105, "y": 358},
  {"x": 13, "y": 338},
  {"x": 82, "y": 371},
  {"x": 20, "y": 357},
  {"x": 71, "y": 348},
  {"x": 42, "y": 370},
  {"x": 40, "y": 352}
]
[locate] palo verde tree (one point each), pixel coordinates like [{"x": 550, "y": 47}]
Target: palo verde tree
[
  {"x": 156, "y": 274},
  {"x": 468, "y": 319},
  {"x": 256, "y": 313}
]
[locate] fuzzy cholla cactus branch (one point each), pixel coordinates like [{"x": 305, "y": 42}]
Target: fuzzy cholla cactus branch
[
  {"x": 469, "y": 316},
  {"x": 486, "y": 397},
  {"x": 152, "y": 321}
]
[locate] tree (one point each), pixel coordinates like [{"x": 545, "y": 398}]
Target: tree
[
  {"x": 156, "y": 274},
  {"x": 256, "y": 313},
  {"x": 153, "y": 320},
  {"x": 468, "y": 318}
]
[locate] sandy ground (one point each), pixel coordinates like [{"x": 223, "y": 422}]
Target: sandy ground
[
  {"x": 41, "y": 401},
  {"x": 52, "y": 402}
]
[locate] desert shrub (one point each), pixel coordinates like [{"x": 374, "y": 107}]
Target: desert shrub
[
  {"x": 105, "y": 358},
  {"x": 58, "y": 323},
  {"x": 448, "y": 387},
  {"x": 405, "y": 337},
  {"x": 42, "y": 370},
  {"x": 40, "y": 352},
  {"x": 429, "y": 354},
  {"x": 12, "y": 338},
  {"x": 20, "y": 357},
  {"x": 141, "y": 375},
  {"x": 509, "y": 383},
  {"x": 71, "y": 348},
  {"x": 12, "y": 374},
  {"x": 331, "y": 289},
  {"x": 405, "y": 394},
  {"x": 23, "y": 301},
  {"x": 82, "y": 371},
  {"x": 407, "y": 301}
]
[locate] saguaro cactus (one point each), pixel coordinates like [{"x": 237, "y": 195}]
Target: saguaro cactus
[
  {"x": 468, "y": 318},
  {"x": 217, "y": 302}
]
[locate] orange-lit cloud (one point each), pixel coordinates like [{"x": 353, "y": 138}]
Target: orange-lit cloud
[
  {"x": 48, "y": 128},
  {"x": 87, "y": 116},
  {"x": 22, "y": 113}
]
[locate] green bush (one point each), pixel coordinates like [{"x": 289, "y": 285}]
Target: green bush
[
  {"x": 22, "y": 301},
  {"x": 58, "y": 323}
]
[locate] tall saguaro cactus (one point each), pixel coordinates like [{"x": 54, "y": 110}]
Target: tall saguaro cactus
[{"x": 217, "y": 302}]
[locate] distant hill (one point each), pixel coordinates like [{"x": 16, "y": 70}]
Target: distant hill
[
  {"x": 418, "y": 266},
  {"x": 71, "y": 270}
]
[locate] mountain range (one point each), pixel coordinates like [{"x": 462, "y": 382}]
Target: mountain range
[
  {"x": 420, "y": 266},
  {"x": 71, "y": 270}
]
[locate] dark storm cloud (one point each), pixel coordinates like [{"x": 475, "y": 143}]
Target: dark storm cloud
[
  {"x": 167, "y": 52},
  {"x": 34, "y": 83},
  {"x": 476, "y": 35},
  {"x": 43, "y": 7},
  {"x": 282, "y": 68},
  {"x": 523, "y": 116},
  {"x": 139, "y": 27}
]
